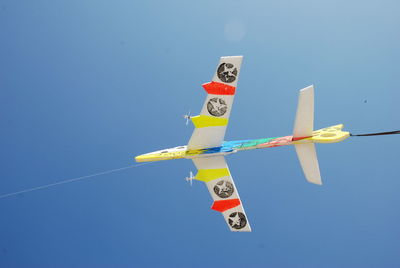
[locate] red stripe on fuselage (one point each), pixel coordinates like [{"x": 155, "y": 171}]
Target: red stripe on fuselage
[
  {"x": 300, "y": 138},
  {"x": 219, "y": 88},
  {"x": 223, "y": 205}
]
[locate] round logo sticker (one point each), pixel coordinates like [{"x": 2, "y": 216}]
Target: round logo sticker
[
  {"x": 227, "y": 72},
  {"x": 237, "y": 220},
  {"x": 223, "y": 189},
  {"x": 217, "y": 107}
]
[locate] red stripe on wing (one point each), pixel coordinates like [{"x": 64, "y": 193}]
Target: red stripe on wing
[
  {"x": 223, "y": 205},
  {"x": 219, "y": 88}
]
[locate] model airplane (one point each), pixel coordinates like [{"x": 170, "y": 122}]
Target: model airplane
[{"x": 207, "y": 147}]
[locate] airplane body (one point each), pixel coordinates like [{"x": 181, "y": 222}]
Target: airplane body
[
  {"x": 207, "y": 148},
  {"x": 334, "y": 134}
]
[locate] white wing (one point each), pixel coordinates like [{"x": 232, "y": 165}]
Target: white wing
[
  {"x": 212, "y": 122},
  {"x": 215, "y": 173}
]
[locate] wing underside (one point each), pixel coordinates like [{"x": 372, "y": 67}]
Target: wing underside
[
  {"x": 215, "y": 173},
  {"x": 210, "y": 125}
]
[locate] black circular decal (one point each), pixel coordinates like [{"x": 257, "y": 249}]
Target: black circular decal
[
  {"x": 223, "y": 189},
  {"x": 227, "y": 72},
  {"x": 237, "y": 220},
  {"x": 217, "y": 107}
]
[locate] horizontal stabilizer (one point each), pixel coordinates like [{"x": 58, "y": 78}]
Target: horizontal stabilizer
[
  {"x": 309, "y": 162},
  {"x": 304, "y": 124}
]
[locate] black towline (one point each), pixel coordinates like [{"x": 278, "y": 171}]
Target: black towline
[{"x": 377, "y": 134}]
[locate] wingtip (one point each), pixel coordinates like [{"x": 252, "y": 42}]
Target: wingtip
[
  {"x": 310, "y": 87},
  {"x": 237, "y": 56},
  {"x": 316, "y": 181}
]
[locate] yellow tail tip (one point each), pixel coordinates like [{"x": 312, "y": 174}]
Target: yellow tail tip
[{"x": 330, "y": 134}]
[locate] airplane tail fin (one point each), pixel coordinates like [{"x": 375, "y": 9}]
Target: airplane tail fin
[
  {"x": 303, "y": 127},
  {"x": 304, "y": 124},
  {"x": 309, "y": 162}
]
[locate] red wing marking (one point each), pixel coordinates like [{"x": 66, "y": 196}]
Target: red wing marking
[
  {"x": 223, "y": 205},
  {"x": 219, "y": 88}
]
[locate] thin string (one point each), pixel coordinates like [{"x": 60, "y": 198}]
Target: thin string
[
  {"x": 71, "y": 180},
  {"x": 378, "y": 133}
]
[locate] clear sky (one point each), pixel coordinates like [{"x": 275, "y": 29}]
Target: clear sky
[{"x": 87, "y": 85}]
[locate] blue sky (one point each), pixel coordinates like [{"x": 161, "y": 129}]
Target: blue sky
[{"x": 87, "y": 85}]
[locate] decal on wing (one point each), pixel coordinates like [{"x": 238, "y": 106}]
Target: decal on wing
[
  {"x": 210, "y": 125},
  {"x": 215, "y": 173}
]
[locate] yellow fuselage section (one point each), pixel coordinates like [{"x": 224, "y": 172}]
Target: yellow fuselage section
[{"x": 331, "y": 134}]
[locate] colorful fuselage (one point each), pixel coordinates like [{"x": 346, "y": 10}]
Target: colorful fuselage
[{"x": 327, "y": 135}]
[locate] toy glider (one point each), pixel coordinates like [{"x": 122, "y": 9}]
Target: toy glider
[{"x": 207, "y": 147}]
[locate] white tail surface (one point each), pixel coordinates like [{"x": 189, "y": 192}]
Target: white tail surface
[
  {"x": 304, "y": 124},
  {"x": 309, "y": 162}
]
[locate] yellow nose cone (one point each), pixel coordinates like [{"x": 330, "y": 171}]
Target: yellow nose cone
[
  {"x": 140, "y": 158},
  {"x": 157, "y": 156},
  {"x": 148, "y": 157}
]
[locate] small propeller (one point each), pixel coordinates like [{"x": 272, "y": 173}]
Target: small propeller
[
  {"x": 187, "y": 117},
  {"x": 190, "y": 178}
]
